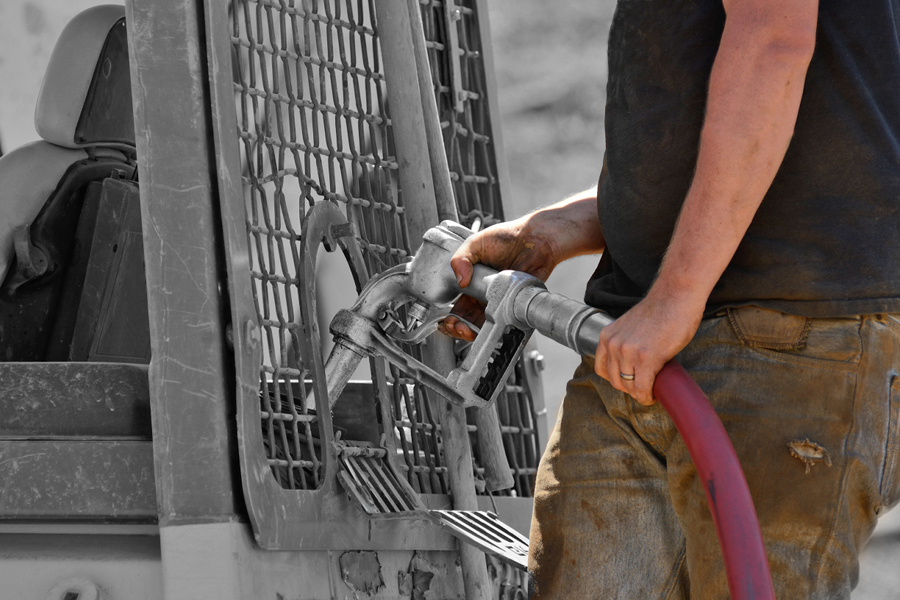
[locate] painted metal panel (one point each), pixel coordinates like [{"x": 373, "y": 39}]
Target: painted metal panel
[
  {"x": 77, "y": 479},
  {"x": 118, "y": 566},
  {"x": 41, "y": 400},
  {"x": 191, "y": 401}
]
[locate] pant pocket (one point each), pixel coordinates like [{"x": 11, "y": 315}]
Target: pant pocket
[
  {"x": 890, "y": 479},
  {"x": 802, "y": 341},
  {"x": 759, "y": 327}
]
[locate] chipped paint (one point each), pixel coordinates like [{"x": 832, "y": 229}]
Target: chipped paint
[
  {"x": 361, "y": 571},
  {"x": 809, "y": 452},
  {"x": 430, "y": 577},
  {"x": 415, "y": 584}
]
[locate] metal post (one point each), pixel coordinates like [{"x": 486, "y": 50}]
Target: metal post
[
  {"x": 192, "y": 404},
  {"x": 193, "y": 412},
  {"x": 418, "y": 188},
  {"x": 440, "y": 168},
  {"x": 487, "y": 420}
]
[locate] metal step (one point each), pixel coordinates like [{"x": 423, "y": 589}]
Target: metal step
[
  {"x": 370, "y": 481},
  {"x": 484, "y": 530}
]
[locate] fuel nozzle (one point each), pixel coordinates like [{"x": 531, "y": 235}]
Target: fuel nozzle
[{"x": 404, "y": 306}]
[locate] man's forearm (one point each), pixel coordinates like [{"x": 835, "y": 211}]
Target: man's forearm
[
  {"x": 573, "y": 223},
  {"x": 754, "y": 96}
]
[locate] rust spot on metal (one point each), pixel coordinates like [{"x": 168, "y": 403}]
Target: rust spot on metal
[
  {"x": 809, "y": 452},
  {"x": 361, "y": 571}
]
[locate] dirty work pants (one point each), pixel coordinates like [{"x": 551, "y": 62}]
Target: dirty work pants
[{"x": 812, "y": 407}]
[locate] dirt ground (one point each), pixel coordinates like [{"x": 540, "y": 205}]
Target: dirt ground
[{"x": 551, "y": 73}]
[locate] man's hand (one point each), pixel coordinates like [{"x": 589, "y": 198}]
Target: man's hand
[
  {"x": 535, "y": 244},
  {"x": 511, "y": 245},
  {"x": 641, "y": 341}
]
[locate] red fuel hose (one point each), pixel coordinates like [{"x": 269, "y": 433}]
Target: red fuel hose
[
  {"x": 733, "y": 513},
  {"x": 578, "y": 326}
]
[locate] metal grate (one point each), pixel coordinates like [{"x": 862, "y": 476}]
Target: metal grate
[
  {"x": 312, "y": 112},
  {"x": 458, "y": 71},
  {"x": 487, "y": 532},
  {"x": 313, "y": 126},
  {"x": 418, "y": 434},
  {"x": 376, "y": 489},
  {"x": 457, "y": 58},
  {"x": 366, "y": 478}
]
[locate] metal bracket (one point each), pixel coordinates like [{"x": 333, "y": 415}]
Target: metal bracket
[{"x": 452, "y": 17}]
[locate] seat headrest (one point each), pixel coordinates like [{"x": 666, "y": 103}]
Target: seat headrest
[{"x": 85, "y": 98}]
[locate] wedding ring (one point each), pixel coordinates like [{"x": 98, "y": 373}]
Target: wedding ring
[{"x": 626, "y": 376}]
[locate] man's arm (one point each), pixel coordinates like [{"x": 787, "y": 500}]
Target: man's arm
[
  {"x": 754, "y": 96},
  {"x": 535, "y": 244}
]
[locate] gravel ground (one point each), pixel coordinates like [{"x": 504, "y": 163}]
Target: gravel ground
[{"x": 551, "y": 74}]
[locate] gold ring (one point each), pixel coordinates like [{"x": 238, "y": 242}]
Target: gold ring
[{"x": 626, "y": 376}]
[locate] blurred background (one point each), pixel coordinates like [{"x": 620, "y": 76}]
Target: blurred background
[
  {"x": 551, "y": 70},
  {"x": 550, "y": 63}
]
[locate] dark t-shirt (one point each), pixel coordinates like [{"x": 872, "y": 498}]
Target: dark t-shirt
[{"x": 826, "y": 239}]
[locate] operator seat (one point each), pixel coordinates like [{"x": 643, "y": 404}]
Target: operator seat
[
  {"x": 71, "y": 261},
  {"x": 76, "y": 440}
]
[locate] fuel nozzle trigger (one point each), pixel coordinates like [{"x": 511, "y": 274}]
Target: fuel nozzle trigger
[{"x": 499, "y": 344}]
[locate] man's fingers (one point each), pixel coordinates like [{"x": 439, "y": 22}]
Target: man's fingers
[
  {"x": 468, "y": 309},
  {"x": 643, "y": 386},
  {"x": 625, "y": 366},
  {"x": 612, "y": 368},
  {"x": 600, "y": 359},
  {"x": 455, "y": 328},
  {"x": 606, "y": 361},
  {"x": 615, "y": 362},
  {"x": 463, "y": 332},
  {"x": 448, "y": 326}
]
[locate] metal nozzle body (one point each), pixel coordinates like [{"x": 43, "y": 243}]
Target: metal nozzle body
[{"x": 517, "y": 303}]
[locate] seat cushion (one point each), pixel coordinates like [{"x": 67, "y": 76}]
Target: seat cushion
[{"x": 28, "y": 176}]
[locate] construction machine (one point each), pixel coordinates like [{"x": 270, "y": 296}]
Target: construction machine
[{"x": 169, "y": 263}]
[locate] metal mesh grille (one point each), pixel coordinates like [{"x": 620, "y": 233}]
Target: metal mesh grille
[
  {"x": 418, "y": 434},
  {"x": 455, "y": 52},
  {"x": 519, "y": 431},
  {"x": 313, "y": 126},
  {"x": 460, "y": 79}
]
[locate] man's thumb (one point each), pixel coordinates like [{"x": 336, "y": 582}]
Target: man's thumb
[{"x": 462, "y": 268}]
